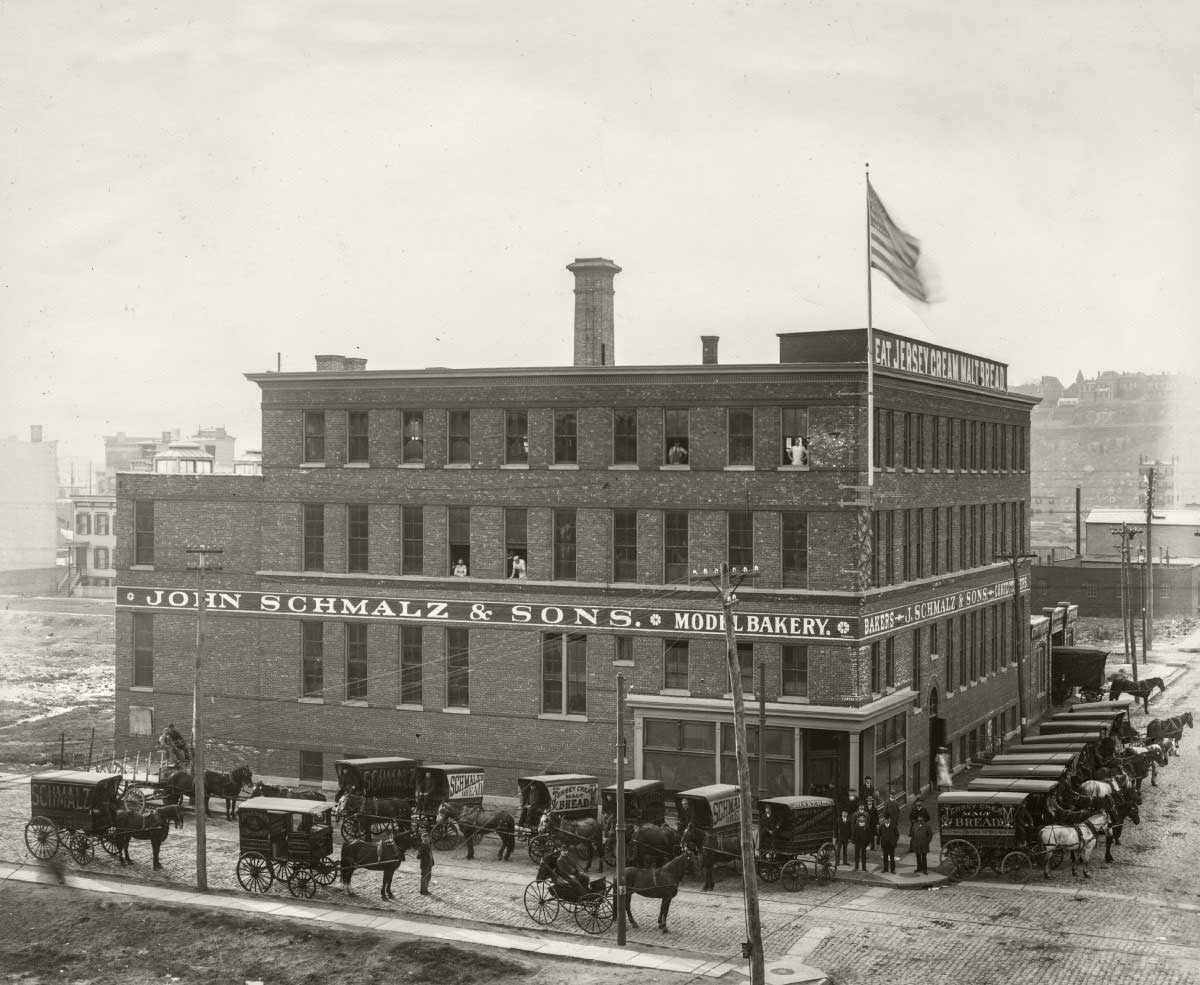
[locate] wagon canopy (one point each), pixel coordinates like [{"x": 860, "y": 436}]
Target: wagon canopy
[
  {"x": 1003, "y": 784},
  {"x": 798, "y": 823},
  {"x": 1123, "y": 702},
  {"x": 1076, "y": 666},
  {"x": 567, "y": 794},
  {"x": 1029, "y": 771},
  {"x": 644, "y": 801},
  {"x": 1093, "y": 729},
  {"x": 1089, "y": 739},
  {"x": 378, "y": 776},
  {"x": 285, "y": 805},
  {"x": 73, "y": 789},
  {"x": 710, "y": 808},
  {"x": 979, "y": 813},
  {"x": 456, "y": 782},
  {"x": 1114, "y": 719},
  {"x": 1039, "y": 757}
]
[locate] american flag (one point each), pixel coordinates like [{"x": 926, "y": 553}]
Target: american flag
[{"x": 894, "y": 251}]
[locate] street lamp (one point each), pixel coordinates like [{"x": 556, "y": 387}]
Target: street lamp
[{"x": 727, "y": 580}]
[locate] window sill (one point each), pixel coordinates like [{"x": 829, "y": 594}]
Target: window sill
[
  {"x": 793, "y": 699},
  {"x": 622, "y": 663},
  {"x": 515, "y": 465},
  {"x": 311, "y": 701},
  {"x": 456, "y": 711},
  {"x": 553, "y": 716},
  {"x": 674, "y": 468},
  {"x": 141, "y": 567},
  {"x": 411, "y": 465},
  {"x": 792, "y": 468},
  {"x": 410, "y": 707},
  {"x": 746, "y": 696},
  {"x": 140, "y": 689},
  {"x": 624, "y": 467},
  {"x": 358, "y": 465},
  {"x": 312, "y": 465},
  {"x": 457, "y": 465},
  {"x": 565, "y": 467},
  {"x": 355, "y": 704},
  {"x": 739, "y": 468},
  {"x": 675, "y": 692}
]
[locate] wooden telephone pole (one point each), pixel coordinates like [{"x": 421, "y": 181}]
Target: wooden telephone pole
[{"x": 201, "y": 564}]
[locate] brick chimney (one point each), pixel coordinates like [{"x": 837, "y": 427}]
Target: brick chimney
[
  {"x": 594, "y": 311},
  {"x": 331, "y": 364},
  {"x": 355, "y": 364},
  {"x": 35, "y": 434},
  {"x": 708, "y": 349}
]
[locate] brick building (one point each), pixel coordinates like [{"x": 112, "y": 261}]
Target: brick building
[{"x": 455, "y": 564}]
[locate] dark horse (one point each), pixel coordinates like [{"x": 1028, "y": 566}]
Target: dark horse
[
  {"x": 711, "y": 848},
  {"x": 1169, "y": 728},
  {"x": 228, "y": 785},
  {"x": 290, "y": 793},
  {"x": 152, "y": 826},
  {"x": 1140, "y": 690},
  {"x": 645, "y": 844},
  {"x": 474, "y": 822},
  {"x": 384, "y": 856},
  {"x": 581, "y": 834},
  {"x": 660, "y": 884}
]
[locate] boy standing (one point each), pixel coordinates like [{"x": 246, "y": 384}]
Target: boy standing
[{"x": 425, "y": 857}]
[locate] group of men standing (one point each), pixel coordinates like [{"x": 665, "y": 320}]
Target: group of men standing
[{"x": 875, "y": 823}]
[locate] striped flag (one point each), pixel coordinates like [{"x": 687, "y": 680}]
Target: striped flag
[{"x": 894, "y": 251}]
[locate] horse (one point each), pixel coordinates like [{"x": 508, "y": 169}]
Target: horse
[
  {"x": 151, "y": 826},
  {"x": 1141, "y": 690},
  {"x": 1169, "y": 728},
  {"x": 384, "y": 856},
  {"x": 172, "y": 813},
  {"x": 581, "y": 833},
  {"x": 1079, "y": 838},
  {"x": 289, "y": 793},
  {"x": 1118, "y": 804},
  {"x": 710, "y": 849},
  {"x": 475, "y": 822},
  {"x": 647, "y": 845},
  {"x": 180, "y": 784},
  {"x": 661, "y": 883},
  {"x": 1141, "y": 760}
]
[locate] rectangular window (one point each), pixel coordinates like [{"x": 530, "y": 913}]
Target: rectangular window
[
  {"x": 938, "y": 425},
  {"x": 564, "y": 674},
  {"x": 143, "y": 649},
  {"x": 356, "y": 538},
  {"x": 624, "y": 649},
  {"x": 314, "y": 536},
  {"x": 995, "y": 443},
  {"x": 676, "y": 424},
  {"x": 962, "y": 445},
  {"x": 357, "y": 448},
  {"x": 964, "y": 644},
  {"x": 907, "y": 548},
  {"x": 312, "y": 767},
  {"x": 516, "y": 546},
  {"x": 460, "y": 437},
  {"x": 675, "y": 546},
  {"x": 963, "y": 537},
  {"x": 916, "y": 668},
  {"x": 741, "y": 538},
  {"x": 910, "y": 442},
  {"x": 516, "y": 437},
  {"x": 935, "y": 540},
  {"x": 458, "y": 668},
  {"x": 794, "y": 680},
  {"x": 934, "y": 651},
  {"x": 950, "y": 654},
  {"x": 412, "y": 540},
  {"x": 876, "y": 548},
  {"x": 889, "y": 661},
  {"x": 795, "y": 436},
  {"x": 459, "y": 540},
  {"x": 675, "y": 665},
  {"x": 794, "y": 549},
  {"x": 143, "y": 531},
  {"x": 877, "y": 445},
  {"x": 745, "y": 659},
  {"x": 411, "y": 661},
  {"x": 83, "y": 523},
  {"x": 312, "y": 659},
  {"x": 564, "y": 545},
  {"x": 919, "y": 460},
  {"x": 876, "y": 668},
  {"x": 565, "y": 437},
  {"x": 975, "y": 657},
  {"x": 625, "y": 438},
  {"x": 625, "y": 547},
  {"x": 919, "y": 565},
  {"x": 314, "y": 436},
  {"x": 887, "y": 437},
  {"x": 356, "y": 661},
  {"x": 413, "y": 450},
  {"x": 741, "y": 436}
]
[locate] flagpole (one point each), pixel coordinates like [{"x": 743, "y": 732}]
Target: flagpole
[{"x": 870, "y": 350}]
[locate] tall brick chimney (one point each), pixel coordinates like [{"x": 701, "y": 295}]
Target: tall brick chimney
[
  {"x": 708, "y": 349},
  {"x": 594, "y": 344}
]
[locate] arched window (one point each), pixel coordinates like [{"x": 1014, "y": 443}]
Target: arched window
[{"x": 101, "y": 557}]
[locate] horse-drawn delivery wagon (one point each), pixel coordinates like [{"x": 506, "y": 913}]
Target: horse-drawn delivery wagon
[
  {"x": 1075, "y": 725},
  {"x": 1077, "y": 667},
  {"x": 72, "y": 808},
  {"x": 284, "y": 839},
  {"x": 644, "y": 813},
  {"x": 994, "y": 828},
  {"x": 1040, "y": 757},
  {"x": 559, "y": 809},
  {"x": 791, "y": 827},
  {"x": 375, "y": 792},
  {"x": 710, "y": 822},
  {"x": 444, "y": 792}
]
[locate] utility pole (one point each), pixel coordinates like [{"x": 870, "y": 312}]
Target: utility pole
[
  {"x": 1019, "y": 637},
  {"x": 619, "y": 830},
  {"x": 201, "y": 564},
  {"x": 1148, "y": 573},
  {"x": 762, "y": 730},
  {"x": 721, "y": 579},
  {"x": 1126, "y": 536}
]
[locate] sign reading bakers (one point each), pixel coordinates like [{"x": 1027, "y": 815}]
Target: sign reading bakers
[{"x": 509, "y": 614}]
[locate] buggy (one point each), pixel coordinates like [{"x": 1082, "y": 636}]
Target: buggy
[
  {"x": 791, "y": 827},
  {"x": 994, "y": 828},
  {"x": 592, "y": 906},
  {"x": 72, "y": 808},
  {"x": 288, "y": 840},
  {"x": 374, "y": 792},
  {"x": 563, "y": 797}
]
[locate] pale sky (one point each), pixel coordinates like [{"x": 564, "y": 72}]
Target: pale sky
[{"x": 188, "y": 189}]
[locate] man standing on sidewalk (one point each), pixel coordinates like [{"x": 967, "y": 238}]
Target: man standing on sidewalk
[
  {"x": 861, "y": 836},
  {"x": 920, "y": 834},
  {"x": 889, "y": 836},
  {"x": 425, "y": 857}
]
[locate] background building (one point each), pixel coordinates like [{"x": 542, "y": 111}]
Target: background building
[{"x": 28, "y": 515}]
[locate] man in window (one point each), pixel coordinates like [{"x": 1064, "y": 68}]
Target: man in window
[{"x": 677, "y": 455}]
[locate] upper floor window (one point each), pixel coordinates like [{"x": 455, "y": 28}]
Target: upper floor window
[
  {"x": 460, "y": 437},
  {"x": 741, "y": 436},
  {"x": 458, "y": 668},
  {"x": 675, "y": 546},
  {"x": 143, "y": 649},
  {"x": 143, "y": 531},
  {"x": 625, "y": 547},
  {"x": 312, "y": 659},
  {"x": 741, "y": 538},
  {"x": 920, "y": 442},
  {"x": 794, "y": 678},
  {"x": 413, "y": 426},
  {"x": 745, "y": 661},
  {"x": 675, "y": 665},
  {"x": 565, "y": 437},
  {"x": 676, "y": 424},
  {"x": 314, "y": 537},
  {"x": 625, "y": 438},
  {"x": 357, "y": 531},
  {"x": 564, "y": 545},
  {"x": 101, "y": 557},
  {"x": 356, "y": 661},
  {"x": 356, "y": 448},
  {"x": 795, "y": 436},
  {"x": 411, "y": 658},
  {"x": 794, "y": 550},
  {"x": 909, "y": 438},
  {"x": 83, "y": 523},
  {"x": 412, "y": 540},
  {"x": 564, "y": 673},
  {"x": 460, "y": 540},
  {"x": 938, "y": 428},
  {"x": 314, "y": 436},
  {"x": 516, "y": 437},
  {"x": 876, "y": 667},
  {"x": 516, "y": 541},
  {"x": 103, "y": 529}
]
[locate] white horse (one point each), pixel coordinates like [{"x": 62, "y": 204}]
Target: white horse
[{"x": 1079, "y": 839}]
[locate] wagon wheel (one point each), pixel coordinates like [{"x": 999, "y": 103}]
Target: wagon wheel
[
  {"x": 302, "y": 883},
  {"x": 444, "y": 836},
  {"x": 539, "y": 847},
  {"x": 961, "y": 858},
  {"x": 825, "y": 862},
  {"x": 81, "y": 848},
  {"x": 41, "y": 838},
  {"x": 540, "y": 903},
  {"x": 135, "y": 800},
  {"x": 595, "y": 913},
  {"x": 254, "y": 872},
  {"x": 325, "y": 871},
  {"x": 794, "y": 874},
  {"x": 767, "y": 871},
  {"x": 1016, "y": 867},
  {"x": 109, "y": 844},
  {"x": 281, "y": 868},
  {"x": 352, "y": 828}
]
